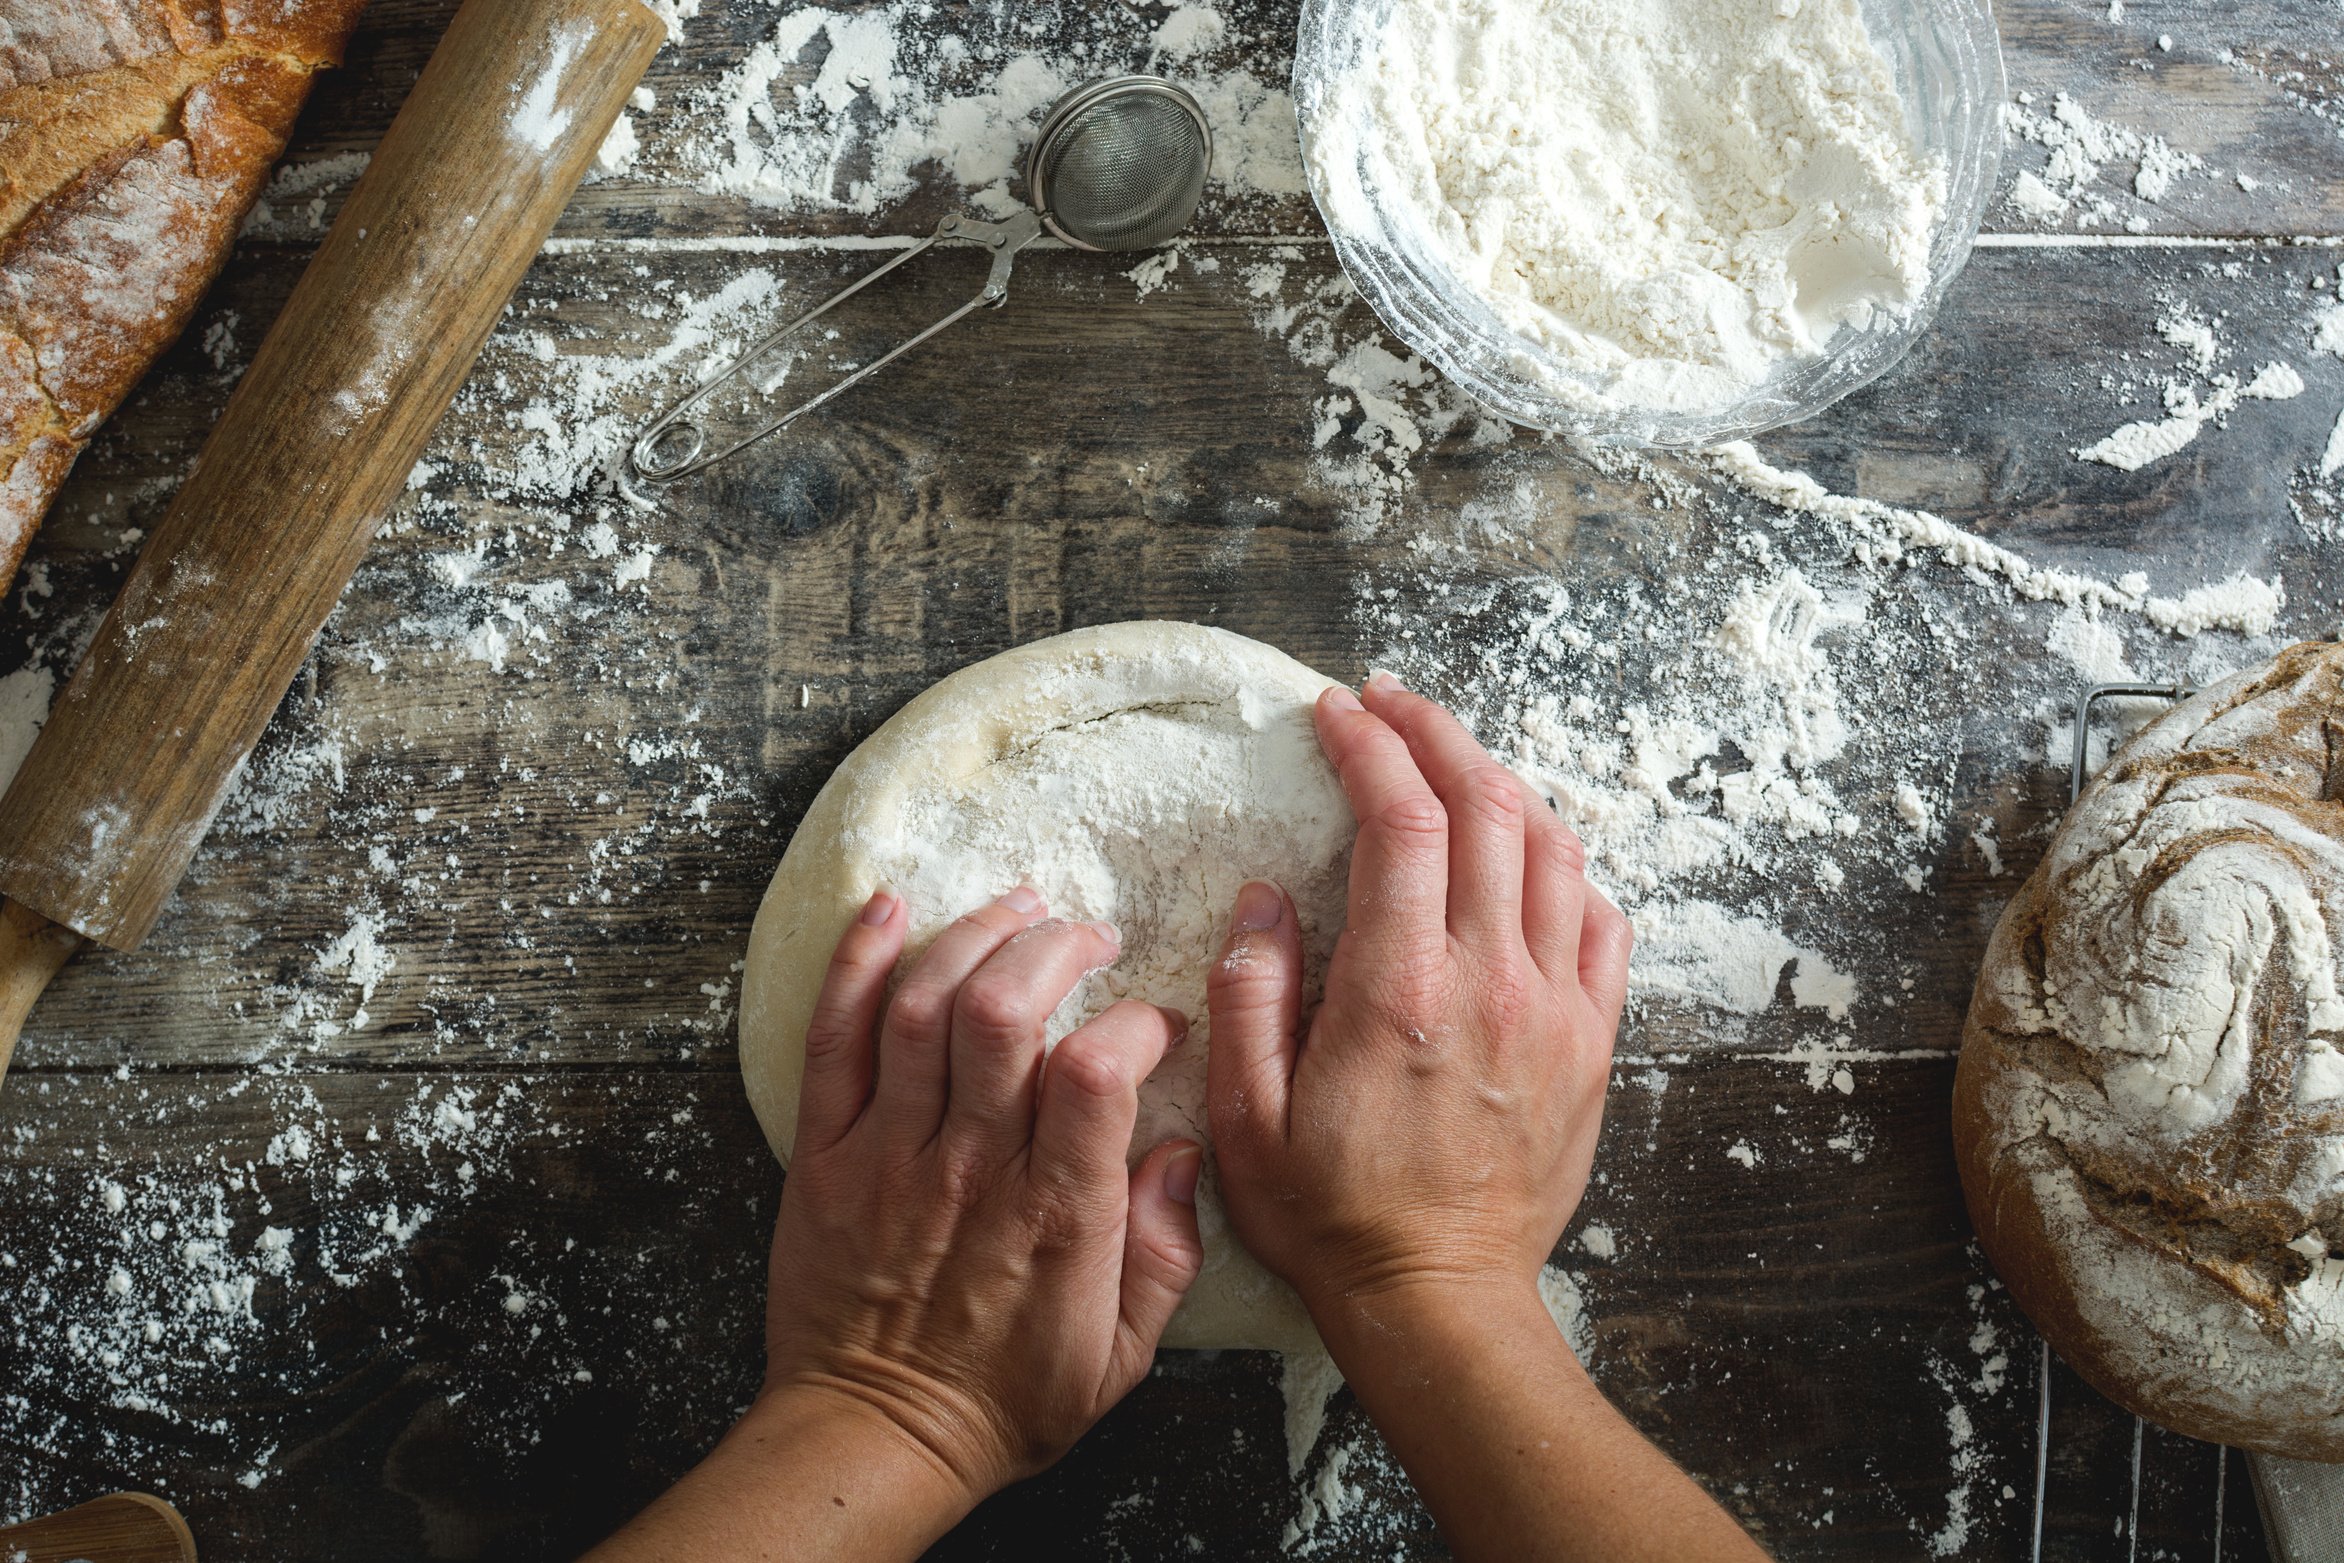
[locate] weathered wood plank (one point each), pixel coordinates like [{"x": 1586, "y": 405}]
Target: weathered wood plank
[
  {"x": 2251, "y": 88},
  {"x": 570, "y": 900},
  {"x": 563, "y": 851},
  {"x": 1799, "y": 1332}
]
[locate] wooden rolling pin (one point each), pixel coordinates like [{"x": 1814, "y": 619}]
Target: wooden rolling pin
[
  {"x": 129, "y": 1527},
  {"x": 220, "y": 610}
]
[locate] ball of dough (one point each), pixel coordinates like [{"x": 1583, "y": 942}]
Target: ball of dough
[
  {"x": 1136, "y": 773},
  {"x": 2149, "y": 1109}
]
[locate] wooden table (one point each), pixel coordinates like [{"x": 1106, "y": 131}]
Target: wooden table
[{"x": 526, "y": 1204}]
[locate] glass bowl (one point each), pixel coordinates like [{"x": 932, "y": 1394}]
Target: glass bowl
[{"x": 1946, "y": 57}]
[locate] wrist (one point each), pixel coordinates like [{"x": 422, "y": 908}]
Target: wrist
[
  {"x": 853, "y": 1430},
  {"x": 1399, "y": 1319}
]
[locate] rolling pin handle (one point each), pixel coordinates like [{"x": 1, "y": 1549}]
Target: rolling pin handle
[{"x": 32, "y": 950}]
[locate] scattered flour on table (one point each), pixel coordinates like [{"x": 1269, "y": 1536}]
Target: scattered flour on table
[
  {"x": 1670, "y": 201},
  {"x": 24, "y": 706},
  {"x": 2078, "y": 149},
  {"x": 1967, "y": 1456},
  {"x": 2135, "y": 445},
  {"x": 2326, "y": 330},
  {"x": 1818, "y": 679},
  {"x": 1309, "y": 1381},
  {"x": 846, "y": 111},
  {"x": 2244, "y": 604},
  {"x": 192, "y": 1265}
]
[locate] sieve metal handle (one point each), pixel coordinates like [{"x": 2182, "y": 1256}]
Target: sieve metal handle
[{"x": 1004, "y": 239}]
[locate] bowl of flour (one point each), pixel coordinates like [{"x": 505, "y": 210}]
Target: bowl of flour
[{"x": 1652, "y": 222}]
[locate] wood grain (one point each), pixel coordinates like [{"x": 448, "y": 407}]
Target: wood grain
[
  {"x": 1798, "y": 1332},
  {"x": 562, "y": 854},
  {"x": 228, "y": 596},
  {"x": 590, "y": 913},
  {"x": 2250, "y": 88}
]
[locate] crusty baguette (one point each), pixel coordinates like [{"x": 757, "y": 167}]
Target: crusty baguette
[
  {"x": 2149, "y": 1109},
  {"x": 134, "y": 136}
]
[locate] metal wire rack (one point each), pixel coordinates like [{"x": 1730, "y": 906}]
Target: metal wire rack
[{"x": 2078, "y": 774}]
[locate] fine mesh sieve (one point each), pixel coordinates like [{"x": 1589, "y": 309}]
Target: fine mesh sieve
[
  {"x": 1120, "y": 164},
  {"x": 1117, "y": 165}
]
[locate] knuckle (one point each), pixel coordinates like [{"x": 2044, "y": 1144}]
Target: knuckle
[
  {"x": 1491, "y": 791},
  {"x": 963, "y": 1178},
  {"x": 1569, "y": 849},
  {"x": 1415, "y": 819},
  {"x": 1061, "y": 1213},
  {"x": 1166, "y": 1254},
  {"x": 986, "y": 920},
  {"x": 828, "y": 1032},
  {"x": 1092, "y": 1072},
  {"x": 850, "y": 964},
  {"x": 1504, "y": 992},
  {"x": 991, "y": 1007},
  {"x": 920, "y": 1011}
]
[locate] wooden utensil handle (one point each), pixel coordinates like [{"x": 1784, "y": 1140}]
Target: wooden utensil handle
[
  {"x": 32, "y": 950},
  {"x": 221, "y": 608},
  {"x": 128, "y": 1527}
]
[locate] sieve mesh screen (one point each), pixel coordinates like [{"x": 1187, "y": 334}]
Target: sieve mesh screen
[{"x": 1126, "y": 172}]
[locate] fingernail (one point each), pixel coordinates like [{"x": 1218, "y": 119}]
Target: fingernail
[
  {"x": 1181, "y": 1169},
  {"x": 879, "y": 908},
  {"x": 1025, "y": 898},
  {"x": 1260, "y": 905},
  {"x": 1108, "y": 932},
  {"x": 1177, "y": 1021},
  {"x": 1379, "y": 679},
  {"x": 1343, "y": 699}
]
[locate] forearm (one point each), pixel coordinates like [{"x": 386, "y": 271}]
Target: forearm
[
  {"x": 802, "y": 1475},
  {"x": 1514, "y": 1449}
]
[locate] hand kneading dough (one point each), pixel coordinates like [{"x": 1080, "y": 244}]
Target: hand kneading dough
[
  {"x": 1136, "y": 773},
  {"x": 2149, "y": 1110}
]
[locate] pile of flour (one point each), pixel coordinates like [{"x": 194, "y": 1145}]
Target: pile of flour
[{"x": 1672, "y": 198}]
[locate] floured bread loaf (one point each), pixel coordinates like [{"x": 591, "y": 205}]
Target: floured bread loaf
[
  {"x": 2149, "y": 1110},
  {"x": 134, "y": 135}
]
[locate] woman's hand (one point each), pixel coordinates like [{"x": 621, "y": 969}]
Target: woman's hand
[
  {"x": 964, "y": 1275},
  {"x": 1432, "y": 1130},
  {"x": 961, "y": 1254},
  {"x": 1408, "y": 1161}
]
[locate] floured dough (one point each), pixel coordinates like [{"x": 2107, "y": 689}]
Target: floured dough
[{"x": 1137, "y": 773}]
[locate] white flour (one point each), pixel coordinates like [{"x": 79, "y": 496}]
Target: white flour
[
  {"x": 2135, "y": 445},
  {"x": 2327, "y": 336},
  {"x": 2079, "y": 147},
  {"x": 1674, "y": 199},
  {"x": 1177, "y": 808},
  {"x": 538, "y": 116},
  {"x": 515, "y": 499},
  {"x": 2245, "y": 604},
  {"x": 848, "y": 110}
]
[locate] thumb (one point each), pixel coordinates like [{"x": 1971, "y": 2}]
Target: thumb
[
  {"x": 1254, "y": 998},
  {"x": 1161, "y": 1251}
]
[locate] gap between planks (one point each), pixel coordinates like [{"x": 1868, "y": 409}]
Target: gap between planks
[
  {"x": 787, "y": 244},
  {"x": 422, "y": 1068}
]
